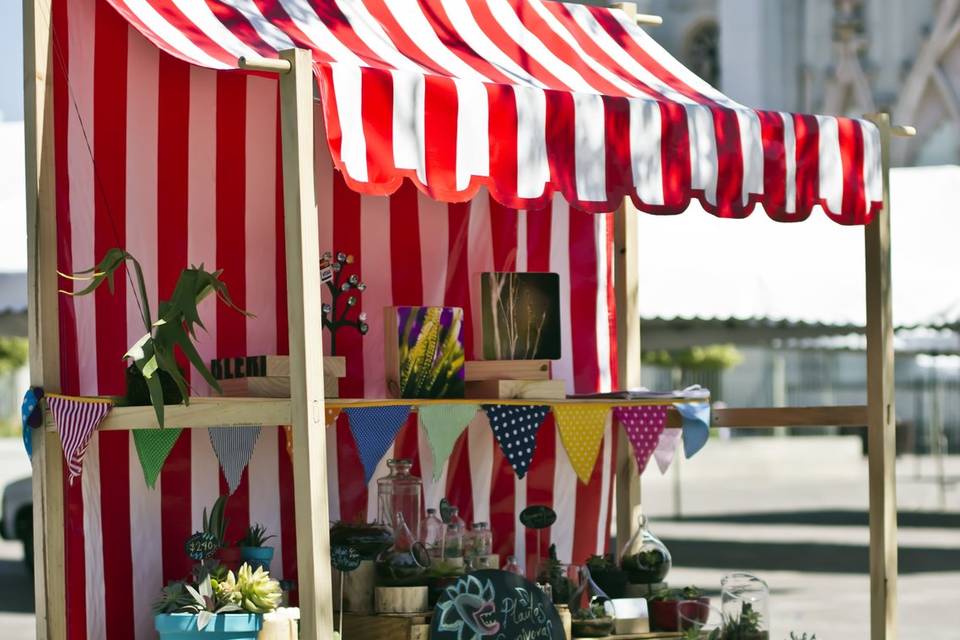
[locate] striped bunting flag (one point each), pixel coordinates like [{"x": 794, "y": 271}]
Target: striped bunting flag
[
  {"x": 233, "y": 447},
  {"x": 515, "y": 428},
  {"x": 374, "y": 429},
  {"x": 76, "y": 418},
  {"x": 644, "y": 426}
]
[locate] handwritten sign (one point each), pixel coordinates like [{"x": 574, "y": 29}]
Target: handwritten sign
[
  {"x": 538, "y": 516},
  {"x": 344, "y": 558},
  {"x": 495, "y": 604},
  {"x": 201, "y": 546}
]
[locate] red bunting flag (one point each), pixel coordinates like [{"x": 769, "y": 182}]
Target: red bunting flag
[
  {"x": 643, "y": 426},
  {"x": 76, "y": 419}
]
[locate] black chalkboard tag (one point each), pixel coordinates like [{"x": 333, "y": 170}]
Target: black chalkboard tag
[
  {"x": 495, "y": 604},
  {"x": 538, "y": 516},
  {"x": 344, "y": 559},
  {"x": 201, "y": 546}
]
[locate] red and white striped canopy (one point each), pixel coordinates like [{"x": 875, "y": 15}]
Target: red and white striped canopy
[{"x": 528, "y": 97}]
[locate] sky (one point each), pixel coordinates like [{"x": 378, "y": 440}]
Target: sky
[{"x": 13, "y": 224}]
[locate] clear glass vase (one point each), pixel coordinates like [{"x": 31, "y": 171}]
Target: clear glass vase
[
  {"x": 453, "y": 537},
  {"x": 400, "y": 492},
  {"x": 432, "y": 530},
  {"x": 745, "y": 603},
  {"x": 645, "y": 558}
]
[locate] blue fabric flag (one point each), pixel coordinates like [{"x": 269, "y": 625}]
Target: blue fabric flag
[
  {"x": 696, "y": 425},
  {"x": 374, "y": 429},
  {"x": 516, "y": 427},
  {"x": 31, "y": 416}
]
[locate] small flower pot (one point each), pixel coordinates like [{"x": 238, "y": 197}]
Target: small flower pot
[
  {"x": 230, "y": 557},
  {"x": 663, "y": 613},
  {"x": 592, "y": 627},
  {"x": 224, "y": 626},
  {"x": 257, "y": 557}
]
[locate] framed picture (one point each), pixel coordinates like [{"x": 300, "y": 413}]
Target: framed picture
[
  {"x": 521, "y": 315},
  {"x": 424, "y": 354}
]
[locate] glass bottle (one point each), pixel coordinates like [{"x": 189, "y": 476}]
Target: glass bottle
[
  {"x": 453, "y": 539},
  {"x": 482, "y": 539},
  {"x": 404, "y": 563},
  {"x": 400, "y": 492},
  {"x": 512, "y": 566},
  {"x": 645, "y": 558},
  {"x": 745, "y": 602},
  {"x": 431, "y": 533}
]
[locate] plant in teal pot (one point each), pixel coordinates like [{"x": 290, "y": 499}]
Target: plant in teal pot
[{"x": 253, "y": 551}]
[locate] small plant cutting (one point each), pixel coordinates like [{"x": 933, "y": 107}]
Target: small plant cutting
[
  {"x": 554, "y": 573},
  {"x": 173, "y": 330},
  {"x": 608, "y": 575},
  {"x": 232, "y": 604},
  {"x": 594, "y": 621},
  {"x": 665, "y": 604},
  {"x": 252, "y": 548},
  {"x": 337, "y": 313}
]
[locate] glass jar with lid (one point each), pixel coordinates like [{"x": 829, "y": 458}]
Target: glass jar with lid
[
  {"x": 745, "y": 602},
  {"x": 400, "y": 492},
  {"x": 432, "y": 530},
  {"x": 453, "y": 537},
  {"x": 482, "y": 539}
]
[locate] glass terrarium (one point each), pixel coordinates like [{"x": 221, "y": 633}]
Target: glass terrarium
[
  {"x": 482, "y": 539},
  {"x": 432, "y": 530},
  {"x": 645, "y": 558},
  {"x": 591, "y": 609},
  {"x": 453, "y": 537},
  {"x": 403, "y": 564},
  {"x": 745, "y": 603},
  {"x": 400, "y": 492}
]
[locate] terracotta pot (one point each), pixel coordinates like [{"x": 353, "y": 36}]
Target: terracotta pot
[
  {"x": 230, "y": 557},
  {"x": 663, "y": 613}
]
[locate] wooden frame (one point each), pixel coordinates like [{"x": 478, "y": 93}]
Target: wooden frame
[{"x": 305, "y": 409}]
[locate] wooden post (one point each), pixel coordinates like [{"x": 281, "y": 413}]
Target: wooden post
[
  {"x": 881, "y": 414},
  {"x": 306, "y": 348},
  {"x": 42, "y": 311}
]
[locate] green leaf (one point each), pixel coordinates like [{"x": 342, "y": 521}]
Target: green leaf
[{"x": 203, "y": 619}]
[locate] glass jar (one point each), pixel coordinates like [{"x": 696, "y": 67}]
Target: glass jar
[
  {"x": 403, "y": 564},
  {"x": 482, "y": 539},
  {"x": 431, "y": 533},
  {"x": 512, "y": 566},
  {"x": 645, "y": 558},
  {"x": 400, "y": 492},
  {"x": 453, "y": 538},
  {"x": 745, "y": 602}
]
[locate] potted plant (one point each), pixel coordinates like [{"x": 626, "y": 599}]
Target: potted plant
[
  {"x": 592, "y": 622},
  {"x": 608, "y": 575},
  {"x": 665, "y": 603},
  {"x": 554, "y": 573},
  {"x": 252, "y": 550},
  {"x": 215, "y": 525},
  {"x": 216, "y": 604},
  {"x": 747, "y": 626}
]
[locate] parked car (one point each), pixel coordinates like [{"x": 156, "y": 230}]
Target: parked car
[{"x": 16, "y": 516}]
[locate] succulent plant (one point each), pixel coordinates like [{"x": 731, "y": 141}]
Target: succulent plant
[
  {"x": 255, "y": 536},
  {"x": 173, "y": 597},
  {"x": 216, "y": 524},
  {"x": 258, "y": 592}
]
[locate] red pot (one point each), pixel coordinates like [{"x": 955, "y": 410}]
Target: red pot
[
  {"x": 663, "y": 613},
  {"x": 230, "y": 557}
]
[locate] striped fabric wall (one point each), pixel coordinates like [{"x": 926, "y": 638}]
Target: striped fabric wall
[{"x": 179, "y": 165}]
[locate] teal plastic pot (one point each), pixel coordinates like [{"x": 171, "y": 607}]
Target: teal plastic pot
[
  {"x": 224, "y": 626},
  {"x": 257, "y": 557}
]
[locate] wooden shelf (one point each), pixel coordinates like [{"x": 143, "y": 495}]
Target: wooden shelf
[{"x": 202, "y": 412}]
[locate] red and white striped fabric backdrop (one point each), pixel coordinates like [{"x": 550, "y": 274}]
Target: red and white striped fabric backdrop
[
  {"x": 184, "y": 170},
  {"x": 528, "y": 97}
]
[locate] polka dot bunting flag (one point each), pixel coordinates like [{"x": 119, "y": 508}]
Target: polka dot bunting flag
[
  {"x": 643, "y": 426},
  {"x": 515, "y": 428},
  {"x": 581, "y": 428}
]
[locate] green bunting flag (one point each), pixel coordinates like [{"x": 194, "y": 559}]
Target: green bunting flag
[
  {"x": 443, "y": 424},
  {"x": 153, "y": 447}
]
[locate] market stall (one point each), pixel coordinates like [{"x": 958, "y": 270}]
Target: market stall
[{"x": 445, "y": 140}]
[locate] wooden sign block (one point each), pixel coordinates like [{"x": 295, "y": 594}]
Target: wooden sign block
[
  {"x": 506, "y": 370},
  {"x": 401, "y": 600},
  {"x": 423, "y": 352},
  {"x": 270, "y": 367},
  {"x": 387, "y": 627},
  {"x": 517, "y": 389}
]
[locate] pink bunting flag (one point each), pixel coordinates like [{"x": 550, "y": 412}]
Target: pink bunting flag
[
  {"x": 643, "y": 426},
  {"x": 76, "y": 419}
]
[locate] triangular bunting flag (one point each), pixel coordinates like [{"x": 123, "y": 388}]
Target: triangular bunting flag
[
  {"x": 374, "y": 429},
  {"x": 696, "y": 425},
  {"x": 666, "y": 448},
  {"x": 443, "y": 424},
  {"x": 153, "y": 447},
  {"x": 76, "y": 418},
  {"x": 581, "y": 428},
  {"x": 233, "y": 447},
  {"x": 330, "y": 417},
  {"x": 643, "y": 426},
  {"x": 516, "y": 427}
]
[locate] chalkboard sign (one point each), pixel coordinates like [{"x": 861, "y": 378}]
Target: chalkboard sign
[
  {"x": 344, "y": 558},
  {"x": 201, "y": 546},
  {"x": 495, "y": 604},
  {"x": 538, "y": 516}
]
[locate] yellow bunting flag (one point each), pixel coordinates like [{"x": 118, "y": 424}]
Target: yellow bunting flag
[
  {"x": 330, "y": 420},
  {"x": 581, "y": 429}
]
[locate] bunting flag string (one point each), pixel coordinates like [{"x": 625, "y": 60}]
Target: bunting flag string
[
  {"x": 666, "y": 448},
  {"x": 374, "y": 429},
  {"x": 233, "y": 447},
  {"x": 515, "y": 427},
  {"x": 581, "y": 428},
  {"x": 443, "y": 424},
  {"x": 643, "y": 426},
  {"x": 696, "y": 425},
  {"x": 153, "y": 447},
  {"x": 76, "y": 419}
]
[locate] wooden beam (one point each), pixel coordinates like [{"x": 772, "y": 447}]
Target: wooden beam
[
  {"x": 765, "y": 417},
  {"x": 202, "y": 412},
  {"x": 256, "y": 63},
  {"x": 646, "y": 19},
  {"x": 626, "y": 289},
  {"x": 43, "y": 315},
  {"x": 306, "y": 346},
  {"x": 881, "y": 413}
]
